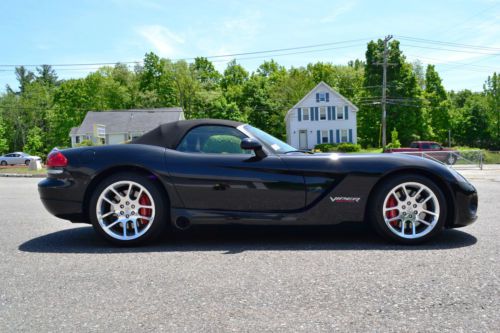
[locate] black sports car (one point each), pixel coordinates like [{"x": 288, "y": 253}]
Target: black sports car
[{"x": 217, "y": 171}]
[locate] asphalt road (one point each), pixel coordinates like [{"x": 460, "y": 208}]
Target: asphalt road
[{"x": 55, "y": 276}]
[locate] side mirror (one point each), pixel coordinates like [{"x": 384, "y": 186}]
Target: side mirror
[{"x": 252, "y": 144}]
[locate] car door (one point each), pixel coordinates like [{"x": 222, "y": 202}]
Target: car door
[
  {"x": 210, "y": 171},
  {"x": 18, "y": 159},
  {"x": 12, "y": 158},
  {"x": 6, "y": 158}
]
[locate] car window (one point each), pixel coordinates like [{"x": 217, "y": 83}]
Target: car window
[
  {"x": 426, "y": 146},
  {"x": 414, "y": 145},
  {"x": 435, "y": 146},
  {"x": 213, "y": 140}
]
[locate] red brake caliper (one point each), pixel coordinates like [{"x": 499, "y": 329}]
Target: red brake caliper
[
  {"x": 392, "y": 213},
  {"x": 144, "y": 200}
]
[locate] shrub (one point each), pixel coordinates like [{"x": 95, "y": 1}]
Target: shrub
[
  {"x": 394, "y": 139},
  {"x": 348, "y": 147},
  {"x": 224, "y": 144},
  {"x": 85, "y": 143},
  {"x": 325, "y": 147}
]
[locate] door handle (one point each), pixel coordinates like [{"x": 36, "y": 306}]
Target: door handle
[{"x": 221, "y": 187}]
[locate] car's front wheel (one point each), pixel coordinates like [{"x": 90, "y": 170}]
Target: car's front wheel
[
  {"x": 3, "y": 163},
  {"x": 128, "y": 209},
  {"x": 409, "y": 209},
  {"x": 451, "y": 159}
]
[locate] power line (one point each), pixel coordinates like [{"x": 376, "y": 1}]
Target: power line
[
  {"x": 430, "y": 41},
  {"x": 193, "y": 58},
  {"x": 451, "y": 50}
]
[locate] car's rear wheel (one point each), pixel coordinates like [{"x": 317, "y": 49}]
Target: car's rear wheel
[
  {"x": 409, "y": 209},
  {"x": 3, "y": 163},
  {"x": 128, "y": 209}
]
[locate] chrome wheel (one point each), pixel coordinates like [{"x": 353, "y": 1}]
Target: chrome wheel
[
  {"x": 125, "y": 210},
  {"x": 411, "y": 210}
]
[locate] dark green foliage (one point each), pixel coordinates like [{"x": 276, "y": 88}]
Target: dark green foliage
[
  {"x": 344, "y": 147},
  {"x": 223, "y": 143},
  {"x": 85, "y": 143},
  {"x": 325, "y": 147},
  {"x": 348, "y": 147}
]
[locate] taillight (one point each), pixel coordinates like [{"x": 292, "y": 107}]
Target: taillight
[{"x": 56, "y": 160}]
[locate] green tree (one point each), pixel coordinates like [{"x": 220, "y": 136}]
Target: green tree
[
  {"x": 234, "y": 75},
  {"x": 156, "y": 82},
  {"x": 186, "y": 85},
  {"x": 471, "y": 122},
  {"x": 46, "y": 75},
  {"x": 205, "y": 73},
  {"x": 437, "y": 103},
  {"x": 4, "y": 146},
  {"x": 404, "y": 110},
  {"x": 24, "y": 77},
  {"x": 34, "y": 142},
  {"x": 492, "y": 91}
]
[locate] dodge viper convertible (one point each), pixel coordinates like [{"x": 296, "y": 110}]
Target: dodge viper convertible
[{"x": 217, "y": 171}]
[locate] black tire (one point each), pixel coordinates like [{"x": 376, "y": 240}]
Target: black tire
[
  {"x": 160, "y": 200},
  {"x": 376, "y": 208},
  {"x": 27, "y": 162},
  {"x": 3, "y": 163}
]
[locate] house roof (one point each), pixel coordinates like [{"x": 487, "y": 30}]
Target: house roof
[
  {"x": 126, "y": 121},
  {"x": 321, "y": 84}
]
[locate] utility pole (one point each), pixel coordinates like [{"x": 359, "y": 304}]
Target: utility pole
[{"x": 384, "y": 91}]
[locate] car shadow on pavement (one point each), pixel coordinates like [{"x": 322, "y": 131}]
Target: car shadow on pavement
[{"x": 236, "y": 239}]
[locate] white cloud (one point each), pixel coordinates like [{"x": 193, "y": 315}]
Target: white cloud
[
  {"x": 162, "y": 39},
  {"x": 247, "y": 25},
  {"x": 342, "y": 9}
]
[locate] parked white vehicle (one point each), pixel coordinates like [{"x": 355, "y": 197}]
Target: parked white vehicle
[{"x": 17, "y": 158}]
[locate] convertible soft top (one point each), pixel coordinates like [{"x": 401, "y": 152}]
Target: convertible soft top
[{"x": 169, "y": 135}]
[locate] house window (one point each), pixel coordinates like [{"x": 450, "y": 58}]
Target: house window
[
  {"x": 77, "y": 139},
  {"x": 321, "y": 97},
  {"x": 322, "y": 113},
  {"x": 344, "y": 135},
  {"x": 305, "y": 113},
  {"x": 324, "y": 136},
  {"x": 340, "y": 114}
]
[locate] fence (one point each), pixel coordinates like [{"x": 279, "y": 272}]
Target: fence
[{"x": 459, "y": 159}]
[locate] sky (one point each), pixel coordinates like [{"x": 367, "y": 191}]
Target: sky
[{"x": 462, "y": 38}]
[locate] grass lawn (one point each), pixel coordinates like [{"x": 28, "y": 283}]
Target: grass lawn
[{"x": 21, "y": 170}]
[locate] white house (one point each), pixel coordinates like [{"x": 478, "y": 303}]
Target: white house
[
  {"x": 322, "y": 116},
  {"x": 119, "y": 126}
]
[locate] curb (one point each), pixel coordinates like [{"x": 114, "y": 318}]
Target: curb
[{"x": 20, "y": 175}]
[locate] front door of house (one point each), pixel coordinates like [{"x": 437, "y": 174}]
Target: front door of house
[{"x": 303, "y": 139}]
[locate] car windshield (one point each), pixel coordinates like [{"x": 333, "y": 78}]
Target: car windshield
[{"x": 270, "y": 141}]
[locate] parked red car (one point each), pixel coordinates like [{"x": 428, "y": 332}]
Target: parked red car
[{"x": 428, "y": 149}]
